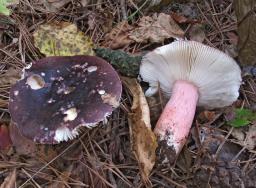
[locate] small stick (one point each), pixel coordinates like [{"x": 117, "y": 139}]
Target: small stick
[{"x": 123, "y": 9}]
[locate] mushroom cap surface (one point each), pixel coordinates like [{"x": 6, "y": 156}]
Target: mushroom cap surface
[
  {"x": 216, "y": 75},
  {"x": 59, "y": 94}
]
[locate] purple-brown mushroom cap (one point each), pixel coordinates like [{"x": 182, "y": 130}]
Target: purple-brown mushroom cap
[{"x": 59, "y": 94}]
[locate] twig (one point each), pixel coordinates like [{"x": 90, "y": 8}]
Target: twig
[
  {"x": 123, "y": 9},
  {"x": 31, "y": 178},
  {"x": 43, "y": 167}
]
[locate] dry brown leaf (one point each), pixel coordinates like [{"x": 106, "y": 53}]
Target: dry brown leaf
[
  {"x": 101, "y": 19},
  {"x": 10, "y": 180},
  {"x": 150, "y": 29},
  {"x": 156, "y": 29},
  {"x": 246, "y": 18},
  {"x": 207, "y": 116},
  {"x": 10, "y": 76},
  {"x": 55, "y": 5},
  {"x": 250, "y": 139},
  {"x": 143, "y": 140},
  {"x": 246, "y": 139},
  {"x": 118, "y": 36},
  {"x": 179, "y": 18}
]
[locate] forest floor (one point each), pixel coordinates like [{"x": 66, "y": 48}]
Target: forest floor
[{"x": 216, "y": 154}]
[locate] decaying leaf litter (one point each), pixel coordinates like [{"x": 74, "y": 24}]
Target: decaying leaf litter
[{"x": 215, "y": 155}]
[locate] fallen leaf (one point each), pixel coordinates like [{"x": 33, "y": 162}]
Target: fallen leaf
[
  {"x": 10, "y": 76},
  {"x": 179, "y": 18},
  {"x": 143, "y": 140},
  {"x": 62, "y": 39},
  {"x": 241, "y": 117},
  {"x": 119, "y": 36},
  {"x": 239, "y": 134},
  {"x": 196, "y": 33},
  {"x": 244, "y": 138},
  {"x": 149, "y": 29},
  {"x": 101, "y": 19},
  {"x": 10, "y": 180},
  {"x": 3, "y": 8},
  {"x": 245, "y": 13},
  {"x": 250, "y": 140},
  {"x": 207, "y": 116},
  {"x": 5, "y": 140},
  {"x": 156, "y": 29},
  {"x": 4, "y": 4},
  {"x": 55, "y": 5}
]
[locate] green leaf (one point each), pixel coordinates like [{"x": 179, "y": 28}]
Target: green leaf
[
  {"x": 62, "y": 39},
  {"x": 3, "y": 9},
  {"x": 238, "y": 122},
  {"x": 242, "y": 118}
]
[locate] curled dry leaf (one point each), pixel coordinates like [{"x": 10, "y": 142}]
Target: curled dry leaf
[
  {"x": 10, "y": 76},
  {"x": 143, "y": 140},
  {"x": 250, "y": 139},
  {"x": 55, "y": 5},
  {"x": 246, "y": 139},
  {"x": 156, "y": 29},
  {"x": 245, "y": 13},
  {"x": 179, "y": 18},
  {"x": 150, "y": 29},
  {"x": 62, "y": 39},
  {"x": 119, "y": 36}
]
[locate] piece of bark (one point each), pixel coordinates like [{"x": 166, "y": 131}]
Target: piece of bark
[{"x": 246, "y": 19}]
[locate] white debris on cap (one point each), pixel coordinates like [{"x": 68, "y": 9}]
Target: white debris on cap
[
  {"x": 216, "y": 75},
  {"x": 71, "y": 114},
  {"x": 92, "y": 68},
  {"x": 65, "y": 134},
  {"x": 101, "y": 92},
  {"x": 35, "y": 82}
]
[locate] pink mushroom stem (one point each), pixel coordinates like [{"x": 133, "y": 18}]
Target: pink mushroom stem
[{"x": 176, "y": 119}]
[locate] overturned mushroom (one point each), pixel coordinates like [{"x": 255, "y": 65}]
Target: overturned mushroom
[
  {"x": 59, "y": 94},
  {"x": 193, "y": 74}
]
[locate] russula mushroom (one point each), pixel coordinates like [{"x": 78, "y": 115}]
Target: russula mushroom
[
  {"x": 193, "y": 74},
  {"x": 57, "y": 95}
]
